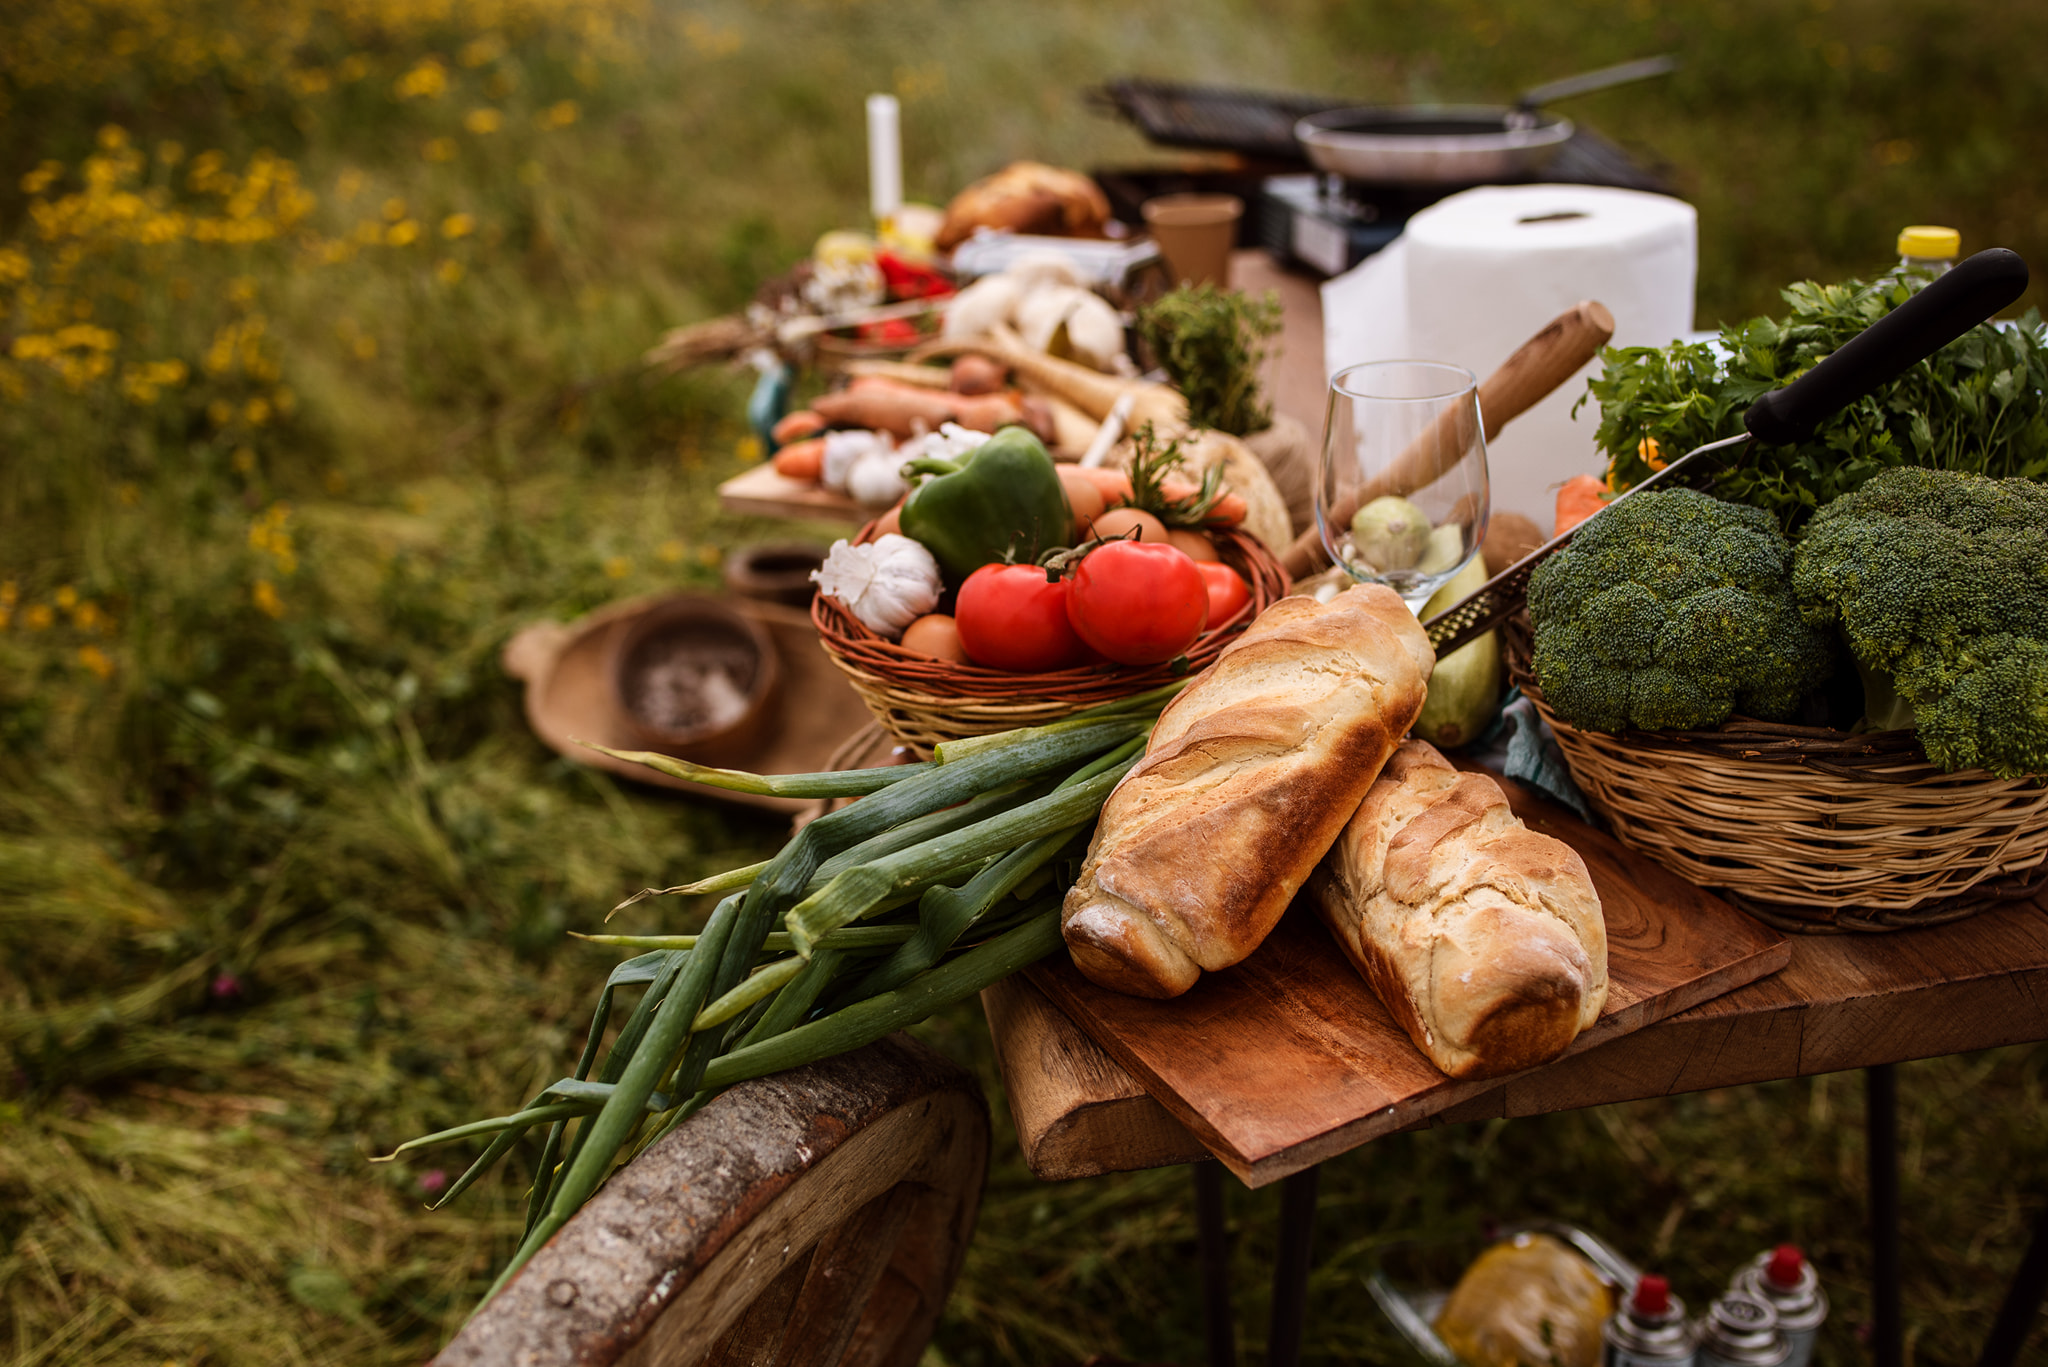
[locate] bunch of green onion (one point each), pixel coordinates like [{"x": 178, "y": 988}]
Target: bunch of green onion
[{"x": 938, "y": 882}]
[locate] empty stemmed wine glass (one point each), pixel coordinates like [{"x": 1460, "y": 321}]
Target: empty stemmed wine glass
[{"x": 1402, "y": 498}]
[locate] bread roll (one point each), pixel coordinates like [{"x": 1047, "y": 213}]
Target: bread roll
[
  {"x": 1026, "y": 197},
  {"x": 1249, "y": 777},
  {"x": 1483, "y": 938}
]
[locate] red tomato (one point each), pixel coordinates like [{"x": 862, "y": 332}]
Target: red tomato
[
  {"x": 1010, "y": 618},
  {"x": 1228, "y": 593},
  {"x": 1138, "y": 602}
]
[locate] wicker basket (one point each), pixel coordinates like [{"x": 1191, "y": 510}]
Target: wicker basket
[
  {"x": 922, "y": 701},
  {"x": 1807, "y": 828}
]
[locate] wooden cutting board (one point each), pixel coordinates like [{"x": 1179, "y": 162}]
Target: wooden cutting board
[{"x": 1289, "y": 1058}]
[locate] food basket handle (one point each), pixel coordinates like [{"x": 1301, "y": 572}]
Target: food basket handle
[{"x": 1946, "y": 309}]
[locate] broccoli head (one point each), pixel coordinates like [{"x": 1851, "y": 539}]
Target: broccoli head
[
  {"x": 1939, "y": 580},
  {"x": 1670, "y": 611}
]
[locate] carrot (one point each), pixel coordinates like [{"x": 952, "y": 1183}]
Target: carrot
[
  {"x": 1578, "y": 498},
  {"x": 1227, "y": 511},
  {"x": 796, "y": 426},
  {"x": 804, "y": 460},
  {"x": 1114, "y": 484}
]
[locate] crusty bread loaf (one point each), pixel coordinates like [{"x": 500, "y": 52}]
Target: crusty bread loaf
[
  {"x": 1026, "y": 197},
  {"x": 1483, "y": 937},
  {"x": 1248, "y": 778}
]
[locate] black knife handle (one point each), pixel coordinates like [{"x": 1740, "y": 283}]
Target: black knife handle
[{"x": 1947, "y": 308}]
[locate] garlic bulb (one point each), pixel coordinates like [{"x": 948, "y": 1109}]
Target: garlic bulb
[
  {"x": 842, "y": 449},
  {"x": 887, "y": 584},
  {"x": 876, "y": 479}
]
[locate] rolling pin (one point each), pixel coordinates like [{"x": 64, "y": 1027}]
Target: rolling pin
[{"x": 1538, "y": 366}]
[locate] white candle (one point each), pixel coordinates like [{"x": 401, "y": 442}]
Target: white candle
[{"x": 885, "y": 158}]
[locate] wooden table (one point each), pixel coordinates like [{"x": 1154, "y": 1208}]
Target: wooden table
[{"x": 1845, "y": 1001}]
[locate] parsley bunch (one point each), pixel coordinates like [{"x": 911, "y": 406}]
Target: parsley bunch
[{"x": 1977, "y": 405}]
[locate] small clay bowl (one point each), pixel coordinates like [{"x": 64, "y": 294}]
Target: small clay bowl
[
  {"x": 779, "y": 571},
  {"x": 696, "y": 680}
]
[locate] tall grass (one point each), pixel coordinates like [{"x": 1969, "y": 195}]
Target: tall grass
[{"x": 319, "y": 325}]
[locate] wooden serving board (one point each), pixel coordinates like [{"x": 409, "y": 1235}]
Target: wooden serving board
[
  {"x": 1289, "y": 1058},
  {"x": 763, "y": 493}
]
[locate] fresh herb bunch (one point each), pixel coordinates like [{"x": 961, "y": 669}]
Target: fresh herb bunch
[
  {"x": 1210, "y": 342},
  {"x": 1975, "y": 406},
  {"x": 1175, "y": 502}
]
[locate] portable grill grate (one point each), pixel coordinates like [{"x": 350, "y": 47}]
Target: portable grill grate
[{"x": 1213, "y": 118}]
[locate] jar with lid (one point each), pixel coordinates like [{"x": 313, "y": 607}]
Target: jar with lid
[{"x": 1927, "y": 251}]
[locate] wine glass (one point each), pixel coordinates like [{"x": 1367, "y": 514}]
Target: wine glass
[{"x": 1401, "y": 499}]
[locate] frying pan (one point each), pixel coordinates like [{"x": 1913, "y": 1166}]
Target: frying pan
[
  {"x": 1946, "y": 309},
  {"x": 1455, "y": 144}
]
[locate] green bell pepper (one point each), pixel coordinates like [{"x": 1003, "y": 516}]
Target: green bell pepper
[{"x": 1001, "y": 502}]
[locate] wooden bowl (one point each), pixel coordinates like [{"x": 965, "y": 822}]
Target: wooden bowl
[{"x": 696, "y": 680}]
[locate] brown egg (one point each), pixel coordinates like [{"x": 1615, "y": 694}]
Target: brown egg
[
  {"x": 1083, "y": 497},
  {"x": 1119, "y": 521},
  {"x": 935, "y": 634},
  {"x": 1194, "y": 545}
]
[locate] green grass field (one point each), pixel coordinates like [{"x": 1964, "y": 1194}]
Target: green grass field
[{"x": 319, "y": 329}]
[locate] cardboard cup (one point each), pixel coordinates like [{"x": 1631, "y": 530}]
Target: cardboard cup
[{"x": 1195, "y": 234}]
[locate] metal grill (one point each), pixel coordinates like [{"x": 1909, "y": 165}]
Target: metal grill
[{"x": 1254, "y": 123}]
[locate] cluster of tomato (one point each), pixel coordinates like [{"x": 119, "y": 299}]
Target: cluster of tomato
[{"x": 1134, "y": 592}]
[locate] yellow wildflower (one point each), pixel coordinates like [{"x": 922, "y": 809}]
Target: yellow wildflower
[
  {"x": 483, "y": 120},
  {"x": 38, "y": 617},
  {"x": 66, "y": 597},
  {"x": 449, "y": 272},
  {"x": 439, "y": 149},
  {"x": 95, "y": 659},
  {"x": 264, "y": 595},
  {"x": 88, "y": 616},
  {"x": 669, "y": 552},
  {"x": 617, "y": 567},
  {"x": 394, "y": 209},
  {"x": 560, "y": 114},
  {"x": 708, "y": 556},
  {"x": 425, "y": 81},
  {"x": 748, "y": 449},
  {"x": 403, "y": 233},
  {"x": 457, "y": 225},
  {"x": 482, "y": 51}
]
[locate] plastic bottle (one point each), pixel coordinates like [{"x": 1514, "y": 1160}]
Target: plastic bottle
[
  {"x": 1788, "y": 1281},
  {"x": 1928, "y": 251},
  {"x": 1649, "y": 1329}
]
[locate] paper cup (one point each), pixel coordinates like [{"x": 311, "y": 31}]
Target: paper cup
[{"x": 1195, "y": 234}]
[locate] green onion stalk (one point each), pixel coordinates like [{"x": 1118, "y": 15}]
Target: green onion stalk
[{"x": 944, "y": 878}]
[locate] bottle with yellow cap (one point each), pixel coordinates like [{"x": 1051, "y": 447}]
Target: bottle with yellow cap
[{"x": 1928, "y": 251}]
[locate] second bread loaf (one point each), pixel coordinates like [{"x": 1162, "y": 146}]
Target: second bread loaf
[{"x": 1483, "y": 938}]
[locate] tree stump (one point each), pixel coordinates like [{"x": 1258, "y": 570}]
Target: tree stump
[{"x": 815, "y": 1217}]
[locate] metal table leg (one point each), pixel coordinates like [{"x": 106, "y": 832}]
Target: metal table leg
[
  {"x": 1291, "y": 1267},
  {"x": 1215, "y": 1244},
  {"x": 2022, "y": 1302},
  {"x": 1881, "y": 1126}
]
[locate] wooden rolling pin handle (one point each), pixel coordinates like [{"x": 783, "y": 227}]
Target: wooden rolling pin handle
[{"x": 1537, "y": 366}]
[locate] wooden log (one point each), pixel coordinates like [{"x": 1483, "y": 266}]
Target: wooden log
[{"x": 811, "y": 1217}]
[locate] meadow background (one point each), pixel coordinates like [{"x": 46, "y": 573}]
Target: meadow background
[{"x": 319, "y": 336}]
